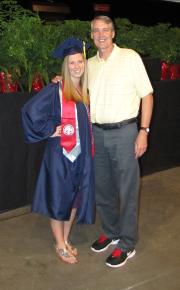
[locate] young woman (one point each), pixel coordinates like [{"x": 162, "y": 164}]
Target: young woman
[{"x": 59, "y": 113}]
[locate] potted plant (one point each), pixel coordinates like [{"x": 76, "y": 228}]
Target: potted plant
[
  {"x": 26, "y": 44},
  {"x": 27, "y": 41}
]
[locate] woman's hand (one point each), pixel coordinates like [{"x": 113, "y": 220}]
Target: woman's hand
[{"x": 57, "y": 132}]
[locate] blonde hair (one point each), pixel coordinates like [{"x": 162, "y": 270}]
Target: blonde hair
[
  {"x": 70, "y": 92},
  {"x": 104, "y": 18}
]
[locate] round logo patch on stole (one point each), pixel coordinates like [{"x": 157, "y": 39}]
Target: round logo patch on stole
[{"x": 68, "y": 130}]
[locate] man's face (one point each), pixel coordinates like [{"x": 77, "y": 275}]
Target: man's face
[{"x": 102, "y": 34}]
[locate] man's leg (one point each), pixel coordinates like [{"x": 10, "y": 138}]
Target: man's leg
[
  {"x": 106, "y": 195},
  {"x": 125, "y": 172}
]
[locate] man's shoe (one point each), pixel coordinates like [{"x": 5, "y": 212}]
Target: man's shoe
[
  {"x": 118, "y": 258},
  {"x": 103, "y": 243}
]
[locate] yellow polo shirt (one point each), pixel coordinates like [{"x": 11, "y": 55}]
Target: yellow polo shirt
[{"x": 117, "y": 85}]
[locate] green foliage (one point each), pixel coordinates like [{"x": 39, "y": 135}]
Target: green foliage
[
  {"x": 165, "y": 43},
  {"x": 161, "y": 40},
  {"x": 26, "y": 45},
  {"x": 10, "y": 10},
  {"x": 27, "y": 42}
]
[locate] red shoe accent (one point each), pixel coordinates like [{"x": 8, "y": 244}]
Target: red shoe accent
[
  {"x": 116, "y": 253},
  {"x": 102, "y": 238}
]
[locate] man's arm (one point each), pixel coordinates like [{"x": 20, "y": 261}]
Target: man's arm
[{"x": 146, "y": 113}]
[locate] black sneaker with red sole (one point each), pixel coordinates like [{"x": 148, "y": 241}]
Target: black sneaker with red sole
[
  {"x": 103, "y": 243},
  {"x": 119, "y": 258}
]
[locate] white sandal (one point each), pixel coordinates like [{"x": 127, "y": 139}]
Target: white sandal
[{"x": 65, "y": 255}]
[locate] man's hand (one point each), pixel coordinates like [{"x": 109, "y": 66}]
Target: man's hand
[
  {"x": 146, "y": 113},
  {"x": 56, "y": 79},
  {"x": 141, "y": 144}
]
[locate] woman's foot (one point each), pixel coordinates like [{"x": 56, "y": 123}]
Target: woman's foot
[
  {"x": 65, "y": 255},
  {"x": 71, "y": 249}
]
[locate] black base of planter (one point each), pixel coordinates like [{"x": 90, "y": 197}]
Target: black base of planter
[{"x": 153, "y": 67}]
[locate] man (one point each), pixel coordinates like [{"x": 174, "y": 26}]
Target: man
[{"x": 118, "y": 84}]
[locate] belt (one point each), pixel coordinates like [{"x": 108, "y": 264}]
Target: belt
[{"x": 109, "y": 126}]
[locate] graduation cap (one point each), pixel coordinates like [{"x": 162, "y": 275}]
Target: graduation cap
[{"x": 70, "y": 46}]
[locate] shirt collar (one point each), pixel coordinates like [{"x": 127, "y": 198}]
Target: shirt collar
[{"x": 113, "y": 52}]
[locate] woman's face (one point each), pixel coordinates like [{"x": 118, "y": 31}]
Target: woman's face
[{"x": 76, "y": 65}]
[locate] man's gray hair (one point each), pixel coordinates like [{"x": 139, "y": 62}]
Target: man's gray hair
[{"x": 104, "y": 18}]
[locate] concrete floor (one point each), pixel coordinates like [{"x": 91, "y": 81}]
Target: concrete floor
[{"x": 28, "y": 260}]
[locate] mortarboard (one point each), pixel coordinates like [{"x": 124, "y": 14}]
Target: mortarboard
[{"x": 70, "y": 46}]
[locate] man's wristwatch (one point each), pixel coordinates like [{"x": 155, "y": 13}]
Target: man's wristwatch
[{"x": 146, "y": 129}]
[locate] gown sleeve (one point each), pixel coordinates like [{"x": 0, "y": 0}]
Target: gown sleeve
[{"x": 38, "y": 115}]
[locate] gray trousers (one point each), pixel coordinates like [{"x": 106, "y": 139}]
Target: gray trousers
[{"x": 117, "y": 183}]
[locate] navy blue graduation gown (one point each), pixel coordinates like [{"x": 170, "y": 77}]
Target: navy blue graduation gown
[{"x": 60, "y": 181}]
